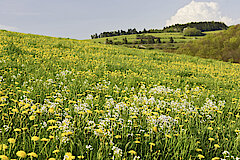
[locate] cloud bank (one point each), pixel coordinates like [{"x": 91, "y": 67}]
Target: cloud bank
[
  {"x": 9, "y": 28},
  {"x": 200, "y": 11}
]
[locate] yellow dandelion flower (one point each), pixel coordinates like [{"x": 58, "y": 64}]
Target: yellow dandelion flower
[
  {"x": 210, "y": 128},
  {"x": 69, "y": 156},
  {"x": 34, "y": 107},
  {"x": 199, "y": 150},
  {"x": 215, "y": 158},
  {"x": 32, "y": 118},
  {"x": 137, "y": 142},
  {"x": 56, "y": 151},
  {"x": 35, "y": 138},
  {"x": 216, "y": 146},
  {"x": 51, "y": 110},
  {"x": 11, "y": 140},
  {"x": 32, "y": 154},
  {"x": 168, "y": 136},
  {"x": 24, "y": 129},
  {"x": 99, "y": 131},
  {"x": 17, "y": 130},
  {"x": 118, "y": 136},
  {"x": 132, "y": 152},
  {"x": 89, "y": 111},
  {"x": 134, "y": 117},
  {"x": 201, "y": 156},
  {"x": 51, "y": 137},
  {"x": 3, "y": 157},
  {"x": 68, "y": 116},
  {"x": 146, "y": 135},
  {"x": 52, "y": 159},
  {"x": 52, "y": 127},
  {"x": 155, "y": 129},
  {"x": 15, "y": 110},
  {"x": 44, "y": 139},
  {"x": 211, "y": 139},
  {"x": 80, "y": 157},
  {"x": 21, "y": 154},
  {"x": 51, "y": 121}
]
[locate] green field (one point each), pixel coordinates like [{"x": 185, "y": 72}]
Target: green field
[
  {"x": 179, "y": 39},
  {"x": 70, "y": 99}
]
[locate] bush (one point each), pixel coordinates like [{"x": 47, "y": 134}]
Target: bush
[{"x": 192, "y": 32}]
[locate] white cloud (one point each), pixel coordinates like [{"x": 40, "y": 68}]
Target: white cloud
[
  {"x": 199, "y": 11},
  {"x": 9, "y": 28}
]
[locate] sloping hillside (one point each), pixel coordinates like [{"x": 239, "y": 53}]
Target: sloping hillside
[
  {"x": 160, "y": 41},
  {"x": 69, "y": 99},
  {"x": 222, "y": 46}
]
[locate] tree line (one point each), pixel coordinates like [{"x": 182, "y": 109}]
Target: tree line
[
  {"x": 118, "y": 33},
  {"x": 202, "y": 26}
]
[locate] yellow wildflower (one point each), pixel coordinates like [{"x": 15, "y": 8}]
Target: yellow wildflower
[
  {"x": 32, "y": 118},
  {"x": 155, "y": 129},
  {"x": 118, "y": 136},
  {"x": 199, "y": 150},
  {"x": 44, "y": 139},
  {"x": 132, "y": 152},
  {"x": 35, "y": 138},
  {"x": 80, "y": 157},
  {"x": 32, "y": 154},
  {"x": 17, "y": 130},
  {"x": 21, "y": 154},
  {"x": 200, "y": 156},
  {"x": 3, "y": 157},
  {"x": 210, "y": 128},
  {"x": 11, "y": 140},
  {"x": 69, "y": 156},
  {"x": 168, "y": 136},
  {"x": 216, "y": 146},
  {"x": 56, "y": 151}
]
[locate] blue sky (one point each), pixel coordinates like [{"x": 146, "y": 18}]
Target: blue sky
[{"x": 79, "y": 19}]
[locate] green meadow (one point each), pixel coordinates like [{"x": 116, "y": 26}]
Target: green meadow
[
  {"x": 70, "y": 99},
  {"x": 165, "y": 45}
]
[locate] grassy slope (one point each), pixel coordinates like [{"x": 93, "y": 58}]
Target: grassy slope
[
  {"x": 179, "y": 40},
  {"x": 178, "y": 37},
  {"x": 222, "y": 46},
  {"x": 38, "y": 69}
]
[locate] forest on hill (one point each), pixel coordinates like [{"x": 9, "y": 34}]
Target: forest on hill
[
  {"x": 202, "y": 26},
  {"x": 223, "y": 46}
]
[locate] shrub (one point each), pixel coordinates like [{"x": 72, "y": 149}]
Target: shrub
[{"x": 192, "y": 32}]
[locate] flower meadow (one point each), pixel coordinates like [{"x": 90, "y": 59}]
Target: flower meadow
[{"x": 66, "y": 99}]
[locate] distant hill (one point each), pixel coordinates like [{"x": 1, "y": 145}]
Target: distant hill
[
  {"x": 202, "y": 26},
  {"x": 221, "y": 46}
]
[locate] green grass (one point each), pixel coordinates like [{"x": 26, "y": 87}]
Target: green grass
[
  {"x": 179, "y": 40},
  {"x": 99, "y": 101},
  {"x": 178, "y": 37}
]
